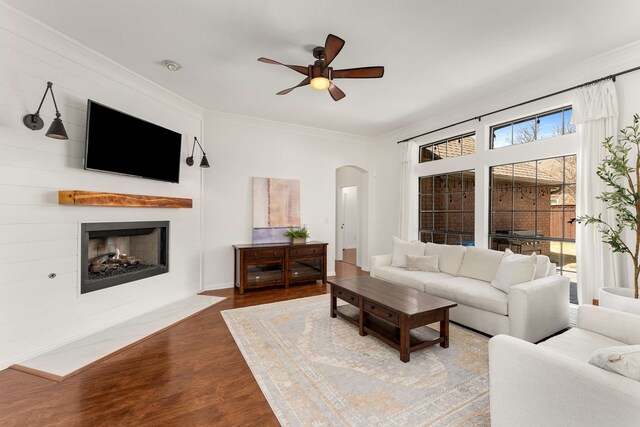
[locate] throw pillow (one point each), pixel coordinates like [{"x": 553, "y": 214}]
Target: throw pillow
[
  {"x": 449, "y": 256},
  {"x": 513, "y": 270},
  {"x": 542, "y": 264},
  {"x": 423, "y": 263},
  {"x": 402, "y": 248},
  {"x": 623, "y": 360},
  {"x": 481, "y": 264}
]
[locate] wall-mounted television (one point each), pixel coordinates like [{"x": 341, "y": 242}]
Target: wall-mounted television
[{"x": 123, "y": 144}]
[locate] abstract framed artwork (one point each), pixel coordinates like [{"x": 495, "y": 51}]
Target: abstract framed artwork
[{"x": 276, "y": 207}]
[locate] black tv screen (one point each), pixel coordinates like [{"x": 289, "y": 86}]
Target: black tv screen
[{"x": 123, "y": 144}]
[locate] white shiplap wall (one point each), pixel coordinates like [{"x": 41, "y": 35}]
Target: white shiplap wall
[{"x": 38, "y": 237}]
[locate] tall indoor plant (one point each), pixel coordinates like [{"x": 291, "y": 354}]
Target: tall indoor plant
[{"x": 620, "y": 170}]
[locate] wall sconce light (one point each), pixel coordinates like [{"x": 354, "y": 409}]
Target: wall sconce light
[
  {"x": 204, "y": 163},
  {"x": 34, "y": 121}
]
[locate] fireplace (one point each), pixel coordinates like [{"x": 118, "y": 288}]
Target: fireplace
[{"x": 113, "y": 253}]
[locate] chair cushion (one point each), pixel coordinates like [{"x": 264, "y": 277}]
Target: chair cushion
[
  {"x": 471, "y": 292},
  {"x": 481, "y": 264},
  {"x": 449, "y": 256},
  {"x": 402, "y": 248},
  {"x": 423, "y": 263},
  {"x": 412, "y": 279},
  {"x": 624, "y": 360},
  {"x": 579, "y": 343}
]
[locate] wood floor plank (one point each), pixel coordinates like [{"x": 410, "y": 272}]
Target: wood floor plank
[{"x": 190, "y": 374}]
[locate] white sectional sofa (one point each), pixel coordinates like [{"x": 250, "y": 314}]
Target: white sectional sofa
[
  {"x": 531, "y": 311},
  {"x": 553, "y": 384}
]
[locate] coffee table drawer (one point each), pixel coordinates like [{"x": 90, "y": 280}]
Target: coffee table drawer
[
  {"x": 346, "y": 296},
  {"x": 381, "y": 312}
]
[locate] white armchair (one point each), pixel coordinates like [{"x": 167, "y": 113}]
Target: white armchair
[{"x": 552, "y": 383}]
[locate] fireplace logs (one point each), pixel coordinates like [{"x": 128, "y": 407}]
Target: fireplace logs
[{"x": 113, "y": 261}]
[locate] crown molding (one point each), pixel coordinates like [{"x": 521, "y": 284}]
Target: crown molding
[
  {"x": 284, "y": 126},
  {"x": 40, "y": 34},
  {"x": 604, "y": 64}
]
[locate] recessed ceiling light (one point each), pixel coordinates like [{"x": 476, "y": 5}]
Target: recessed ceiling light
[{"x": 171, "y": 65}]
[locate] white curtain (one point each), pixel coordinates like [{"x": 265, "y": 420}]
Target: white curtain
[
  {"x": 595, "y": 113},
  {"x": 408, "y": 217}
]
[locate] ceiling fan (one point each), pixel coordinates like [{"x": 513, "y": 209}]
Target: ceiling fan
[{"x": 320, "y": 74}]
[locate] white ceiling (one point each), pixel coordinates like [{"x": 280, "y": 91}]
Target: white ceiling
[{"x": 436, "y": 53}]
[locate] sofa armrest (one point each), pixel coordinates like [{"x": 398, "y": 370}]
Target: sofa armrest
[
  {"x": 533, "y": 386},
  {"x": 539, "y": 308},
  {"x": 379, "y": 261},
  {"x": 614, "y": 324}
]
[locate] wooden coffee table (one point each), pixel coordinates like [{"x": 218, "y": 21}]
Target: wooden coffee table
[{"x": 395, "y": 314}]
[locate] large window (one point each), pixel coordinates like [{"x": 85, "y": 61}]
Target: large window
[
  {"x": 447, "y": 204},
  {"x": 533, "y": 209},
  {"x": 446, "y": 148},
  {"x": 541, "y": 126}
]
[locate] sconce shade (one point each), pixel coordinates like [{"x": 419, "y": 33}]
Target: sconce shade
[
  {"x": 204, "y": 163},
  {"x": 56, "y": 130}
]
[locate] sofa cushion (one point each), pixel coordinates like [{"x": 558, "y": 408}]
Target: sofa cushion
[
  {"x": 481, "y": 264},
  {"x": 402, "y": 248},
  {"x": 412, "y": 279},
  {"x": 513, "y": 270},
  {"x": 471, "y": 292},
  {"x": 542, "y": 264},
  {"x": 623, "y": 360},
  {"x": 449, "y": 256},
  {"x": 423, "y": 263},
  {"x": 579, "y": 343}
]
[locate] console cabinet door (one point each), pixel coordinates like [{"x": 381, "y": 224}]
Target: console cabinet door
[
  {"x": 263, "y": 272},
  {"x": 305, "y": 269}
]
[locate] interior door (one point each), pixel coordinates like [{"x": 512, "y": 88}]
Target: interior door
[{"x": 350, "y": 228}]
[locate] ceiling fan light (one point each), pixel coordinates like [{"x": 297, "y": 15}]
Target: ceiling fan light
[{"x": 320, "y": 83}]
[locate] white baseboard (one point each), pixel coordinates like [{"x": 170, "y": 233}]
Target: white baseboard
[{"x": 216, "y": 286}]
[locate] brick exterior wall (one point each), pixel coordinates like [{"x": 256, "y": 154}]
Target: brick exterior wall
[{"x": 450, "y": 202}]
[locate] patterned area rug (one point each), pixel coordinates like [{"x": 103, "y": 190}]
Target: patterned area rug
[{"x": 316, "y": 370}]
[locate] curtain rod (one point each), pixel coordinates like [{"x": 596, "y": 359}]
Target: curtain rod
[{"x": 612, "y": 77}]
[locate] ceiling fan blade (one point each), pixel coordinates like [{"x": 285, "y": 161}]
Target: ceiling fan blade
[
  {"x": 335, "y": 92},
  {"x": 298, "y": 68},
  {"x": 302, "y": 83},
  {"x": 332, "y": 47},
  {"x": 358, "y": 73}
]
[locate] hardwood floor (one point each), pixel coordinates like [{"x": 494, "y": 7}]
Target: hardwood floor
[
  {"x": 192, "y": 374},
  {"x": 349, "y": 256}
]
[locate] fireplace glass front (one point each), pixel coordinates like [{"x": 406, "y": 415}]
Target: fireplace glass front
[{"x": 120, "y": 252}]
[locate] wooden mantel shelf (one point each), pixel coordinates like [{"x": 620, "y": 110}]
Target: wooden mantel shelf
[{"x": 93, "y": 198}]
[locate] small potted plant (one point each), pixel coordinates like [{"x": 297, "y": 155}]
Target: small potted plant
[
  {"x": 298, "y": 235},
  {"x": 620, "y": 170}
]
